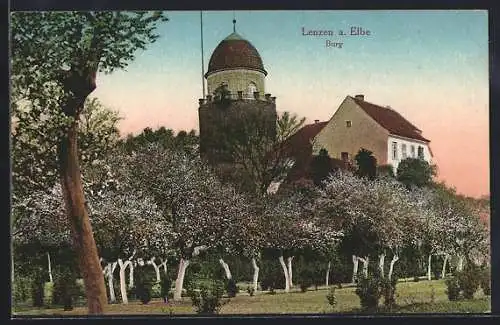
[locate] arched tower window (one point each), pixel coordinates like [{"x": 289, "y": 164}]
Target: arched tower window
[{"x": 252, "y": 87}]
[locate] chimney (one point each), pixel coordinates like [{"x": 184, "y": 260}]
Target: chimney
[
  {"x": 209, "y": 98},
  {"x": 256, "y": 94},
  {"x": 273, "y": 100},
  {"x": 240, "y": 94},
  {"x": 201, "y": 101},
  {"x": 268, "y": 97},
  {"x": 360, "y": 97},
  {"x": 316, "y": 121}
]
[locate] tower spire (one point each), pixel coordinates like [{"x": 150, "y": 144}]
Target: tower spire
[{"x": 234, "y": 22}]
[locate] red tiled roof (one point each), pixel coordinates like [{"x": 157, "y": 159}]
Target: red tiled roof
[
  {"x": 391, "y": 120},
  {"x": 235, "y": 52},
  {"x": 301, "y": 140}
]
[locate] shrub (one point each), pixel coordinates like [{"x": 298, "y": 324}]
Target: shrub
[
  {"x": 165, "y": 285},
  {"x": 156, "y": 290},
  {"x": 452, "y": 288},
  {"x": 143, "y": 284},
  {"x": 369, "y": 292},
  {"x": 485, "y": 281},
  {"x": 331, "y": 298},
  {"x": 251, "y": 291},
  {"x": 416, "y": 278},
  {"x": 37, "y": 290},
  {"x": 231, "y": 288},
  {"x": 272, "y": 276},
  {"x": 20, "y": 289},
  {"x": 208, "y": 298},
  {"x": 389, "y": 291},
  {"x": 65, "y": 288},
  {"x": 469, "y": 281}
]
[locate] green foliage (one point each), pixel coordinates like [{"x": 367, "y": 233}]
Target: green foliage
[
  {"x": 485, "y": 281},
  {"x": 369, "y": 291},
  {"x": 143, "y": 284},
  {"x": 37, "y": 290},
  {"x": 231, "y": 288},
  {"x": 415, "y": 172},
  {"x": 389, "y": 291},
  {"x": 469, "y": 281},
  {"x": 271, "y": 275},
  {"x": 366, "y": 164},
  {"x": 166, "y": 284},
  {"x": 331, "y": 298},
  {"x": 453, "y": 288},
  {"x": 251, "y": 291},
  {"x": 320, "y": 167},
  {"x": 385, "y": 170},
  {"x": 208, "y": 298},
  {"x": 66, "y": 289}
]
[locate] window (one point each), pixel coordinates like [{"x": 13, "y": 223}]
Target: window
[
  {"x": 394, "y": 151},
  {"x": 420, "y": 152},
  {"x": 412, "y": 150},
  {"x": 348, "y": 124},
  {"x": 251, "y": 89},
  {"x": 403, "y": 151},
  {"x": 344, "y": 156}
]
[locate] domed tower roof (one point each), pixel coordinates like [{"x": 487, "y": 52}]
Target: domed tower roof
[{"x": 234, "y": 52}]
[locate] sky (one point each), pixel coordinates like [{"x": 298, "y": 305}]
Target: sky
[{"x": 430, "y": 66}]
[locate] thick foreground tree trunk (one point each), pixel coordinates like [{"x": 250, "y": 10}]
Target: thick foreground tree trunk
[
  {"x": 80, "y": 85},
  {"x": 355, "y": 263},
  {"x": 290, "y": 273},
  {"x": 395, "y": 258},
  {"x": 327, "y": 278},
  {"x": 179, "y": 282},
  {"x": 285, "y": 272},
  {"x": 255, "y": 274},
  {"x": 225, "y": 266},
  {"x": 429, "y": 271},
  {"x": 381, "y": 262},
  {"x": 50, "y": 268},
  {"x": 443, "y": 271}
]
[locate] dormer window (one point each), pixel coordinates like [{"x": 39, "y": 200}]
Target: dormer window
[{"x": 348, "y": 123}]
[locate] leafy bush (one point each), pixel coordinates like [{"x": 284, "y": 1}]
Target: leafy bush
[
  {"x": 331, "y": 298},
  {"x": 156, "y": 290},
  {"x": 469, "y": 281},
  {"x": 143, "y": 284},
  {"x": 251, "y": 291},
  {"x": 452, "y": 288},
  {"x": 231, "y": 288},
  {"x": 389, "y": 291},
  {"x": 20, "y": 289},
  {"x": 65, "y": 288},
  {"x": 37, "y": 290},
  {"x": 208, "y": 298},
  {"x": 165, "y": 285},
  {"x": 416, "y": 278},
  {"x": 485, "y": 281},
  {"x": 272, "y": 276},
  {"x": 369, "y": 292}
]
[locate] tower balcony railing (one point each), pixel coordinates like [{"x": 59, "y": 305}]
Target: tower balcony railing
[{"x": 238, "y": 96}]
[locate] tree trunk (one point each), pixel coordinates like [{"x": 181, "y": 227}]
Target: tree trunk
[
  {"x": 164, "y": 264},
  {"x": 156, "y": 267},
  {"x": 255, "y": 274},
  {"x": 365, "y": 262},
  {"x": 111, "y": 270},
  {"x": 285, "y": 271},
  {"x": 460, "y": 265},
  {"x": 179, "y": 282},
  {"x": 226, "y": 269},
  {"x": 443, "y": 271},
  {"x": 355, "y": 262},
  {"x": 395, "y": 258},
  {"x": 123, "y": 285},
  {"x": 381, "y": 262},
  {"x": 51, "y": 280},
  {"x": 131, "y": 275},
  {"x": 74, "y": 198},
  {"x": 290, "y": 273},
  {"x": 327, "y": 274},
  {"x": 429, "y": 271}
]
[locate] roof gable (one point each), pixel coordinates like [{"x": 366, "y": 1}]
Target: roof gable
[{"x": 390, "y": 120}]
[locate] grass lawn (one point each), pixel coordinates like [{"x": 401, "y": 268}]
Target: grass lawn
[{"x": 411, "y": 297}]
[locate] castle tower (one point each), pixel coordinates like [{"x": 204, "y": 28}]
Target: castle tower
[
  {"x": 236, "y": 98},
  {"x": 236, "y": 63}
]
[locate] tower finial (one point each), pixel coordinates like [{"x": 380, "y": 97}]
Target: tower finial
[{"x": 234, "y": 22}]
